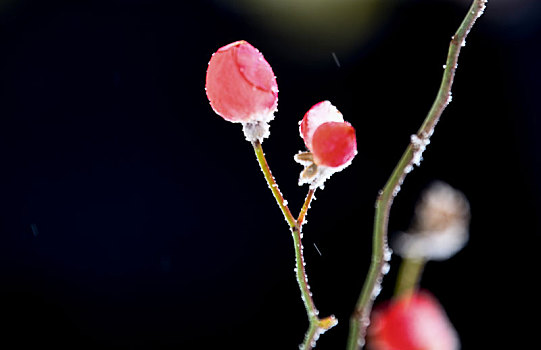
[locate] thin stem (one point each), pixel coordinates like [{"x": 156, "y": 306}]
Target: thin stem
[
  {"x": 317, "y": 326},
  {"x": 302, "y": 280},
  {"x": 409, "y": 275},
  {"x": 311, "y": 337},
  {"x": 360, "y": 318},
  {"x": 282, "y": 203},
  {"x": 305, "y": 206}
]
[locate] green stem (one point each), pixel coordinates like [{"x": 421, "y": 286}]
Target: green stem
[
  {"x": 317, "y": 326},
  {"x": 409, "y": 276},
  {"x": 360, "y": 318},
  {"x": 305, "y": 206},
  {"x": 282, "y": 203}
]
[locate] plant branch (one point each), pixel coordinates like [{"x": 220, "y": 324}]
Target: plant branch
[
  {"x": 282, "y": 203},
  {"x": 317, "y": 326},
  {"x": 305, "y": 206},
  {"x": 409, "y": 275},
  {"x": 360, "y": 318}
]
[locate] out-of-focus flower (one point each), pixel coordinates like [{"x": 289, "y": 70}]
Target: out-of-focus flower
[
  {"x": 412, "y": 322},
  {"x": 440, "y": 227},
  {"x": 330, "y": 140},
  {"x": 242, "y": 88}
]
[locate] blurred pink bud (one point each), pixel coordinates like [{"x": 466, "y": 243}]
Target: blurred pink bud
[
  {"x": 412, "y": 322},
  {"x": 241, "y": 85}
]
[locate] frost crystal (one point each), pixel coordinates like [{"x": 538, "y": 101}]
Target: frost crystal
[
  {"x": 387, "y": 254},
  {"x": 376, "y": 291},
  {"x": 419, "y": 146},
  {"x": 385, "y": 268},
  {"x": 256, "y": 131},
  {"x": 320, "y": 113}
]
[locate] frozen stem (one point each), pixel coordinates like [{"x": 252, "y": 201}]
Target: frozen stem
[
  {"x": 360, "y": 318},
  {"x": 317, "y": 326},
  {"x": 282, "y": 203}
]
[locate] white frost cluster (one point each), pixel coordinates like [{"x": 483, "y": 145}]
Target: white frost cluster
[
  {"x": 323, "y": 112},
  {"x": 419, "y": 146},
  {"x": 258, "y": 127},
  {"x": 319, "y": 173},
  {"x": 256, "y": 131}
]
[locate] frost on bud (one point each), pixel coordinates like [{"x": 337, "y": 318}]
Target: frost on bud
[
  {"x": 320, "y": 113},
  {"x": 242, "y": 88},
  {"x": 440, "y": 226},
  {"x": 331, "y": 143},
  {"x": 412, "y": 322}
]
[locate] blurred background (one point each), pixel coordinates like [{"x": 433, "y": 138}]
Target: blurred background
[{"x": 133, "y": 217}]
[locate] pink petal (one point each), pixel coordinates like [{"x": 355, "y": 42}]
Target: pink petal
[
  {"x": 334, "y": 144},
  {"x": 240, "y": 84},
  {"x": 320, "y": 113},
  {"x": 412, "y": 323}
]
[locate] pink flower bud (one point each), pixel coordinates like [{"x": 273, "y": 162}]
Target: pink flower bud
[
  {"x": 334, "y": 144},
  {"x": 241, "y": 85},
  {"x": 331, "y": 140},
  {"x": 413, "y": 322},
  {"x": 320, "y": 113}
]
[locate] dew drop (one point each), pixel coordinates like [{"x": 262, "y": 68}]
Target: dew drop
[
  {"x": 396, "y": 190},
  {"x": 366, "y": 321},
  {"x": 387, "y": 254},
  {"x": 376, "y": 291},
  {"x": 385, "y": 268}
]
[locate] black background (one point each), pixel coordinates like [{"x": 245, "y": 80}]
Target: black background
[{"x": 133, "y": 217}]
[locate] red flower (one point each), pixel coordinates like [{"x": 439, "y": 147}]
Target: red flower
[
  {"x": 415, "y": 322},
  {"x": 241, "y": 85},
  {"x": 330, "y": 139}
]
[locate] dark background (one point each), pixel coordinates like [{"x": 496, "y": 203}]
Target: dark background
[{"x": 133, "y": 217}]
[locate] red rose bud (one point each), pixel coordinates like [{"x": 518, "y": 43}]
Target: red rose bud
[
  {"x": 334, "y": 144},
  {"x": 331, "y": 140},
  {"x": 320, "y": 113},
  {"x": 413, "y": 322},
  {"x": 241, "y": 85},
  {"x": 331, "y": 143}
]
